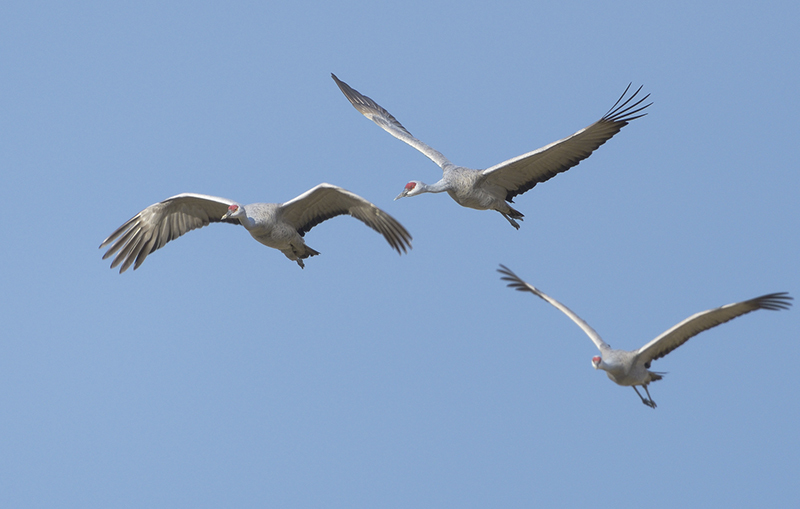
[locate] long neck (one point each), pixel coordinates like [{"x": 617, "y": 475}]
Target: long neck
[
  {"x": 247, "y": 220},
  {"x": 438, "y": 187}
]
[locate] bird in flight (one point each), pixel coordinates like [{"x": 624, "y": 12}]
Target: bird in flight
[
  {"x": 277, "y": 225},
  {"x": 494, "y": 188},
  {"x": 632, "y": 368}
]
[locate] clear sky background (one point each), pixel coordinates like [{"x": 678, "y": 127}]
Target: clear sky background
[{"x": 220, "y": 374}]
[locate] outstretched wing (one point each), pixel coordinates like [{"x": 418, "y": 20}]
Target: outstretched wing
[
  {"x": 383, "y": 118},
  {"x": 326, "y": 201},
  {"x": 697, "y": 323},
  {"x": 522, "y": 286},
  {"x": 521, "y": 173},
  {"x": 161, "y": 222}
]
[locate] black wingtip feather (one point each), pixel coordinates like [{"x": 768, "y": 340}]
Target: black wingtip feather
[
  {"x": 774, "y": 301},
  {"x": 626, "y": 112},
  {"x": 514, "y": 281}
]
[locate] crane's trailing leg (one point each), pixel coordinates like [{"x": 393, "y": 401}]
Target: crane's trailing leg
[
  {"x": 652, "y": 403},
  {"x": 513, "y": 214},
  {"x": 649, "y": 402}
]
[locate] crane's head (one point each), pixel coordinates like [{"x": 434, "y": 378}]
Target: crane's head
[
  {"x": 596, "y": 360},
  {"x": 413, "y": 188},
  {"x": 235, "y": 211}
]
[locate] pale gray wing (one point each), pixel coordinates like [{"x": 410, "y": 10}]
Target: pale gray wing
[
  {"x": 697, "y": 323},
  {"x": 326, "y": 201},
  {"x": 383, "y": 118},
  {"x": 520, "y": 285},
  {"x": 161, "y": 222},
  {"x": 521, "y": 173}
]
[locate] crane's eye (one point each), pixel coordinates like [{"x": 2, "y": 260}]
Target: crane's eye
[{"x": 233, "y": 208}]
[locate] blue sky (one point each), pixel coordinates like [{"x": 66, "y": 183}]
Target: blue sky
[{"x": 220, "y": 374}]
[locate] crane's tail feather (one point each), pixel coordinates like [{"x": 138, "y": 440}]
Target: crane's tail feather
[
  {"x": 307, "y": 252},
  {"x": 299, "y": 253}
]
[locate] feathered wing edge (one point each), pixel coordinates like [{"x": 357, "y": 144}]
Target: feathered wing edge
[
  {"x": 699, "y": 322},
  {"x": 520, "y": 285},
  {"x": 520, "y": 174},
  {"x": 152, "y": 228},
  {"x": 626, "y": 112},
  {"x": 387, "y": 122},
  {"x": 325, "y": 201}
]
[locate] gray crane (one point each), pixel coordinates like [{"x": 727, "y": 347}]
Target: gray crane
[
  {"x": 632, "y": 368},
  {"x": 494, "y": 188},
  {"x": 277, "y": 225}
]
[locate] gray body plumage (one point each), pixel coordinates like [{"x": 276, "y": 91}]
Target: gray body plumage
[
  {"x": 495, "y": 188},
  {"x": 264, "y": 223},
  {"x": 277, "y": 225},
  {"x": 632, "y": 368}
]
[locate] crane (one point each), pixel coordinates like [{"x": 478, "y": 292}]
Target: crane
[
  {"x": 277, "y": 225},
  {"x": 632, "y": 368},
  {"x": 494, "y": 188}
]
